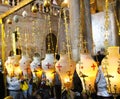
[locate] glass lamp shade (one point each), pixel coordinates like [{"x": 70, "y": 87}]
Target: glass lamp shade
[
  {"x": 17, "y": 69},
  {"x": 111, "y": 67},
  {"x": 65, "y": 68},
  {"x": 12, "y": 66},
  {"x": 25, "y": 65},
  {"x": 9, "y": 66},
  {"x": 35, "y": 67},
  {"x": 87, "y": 69},
  {"x": 48, "y": 66}
]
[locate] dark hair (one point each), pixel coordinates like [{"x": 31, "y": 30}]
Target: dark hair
[
  {"x": 57, "y": 56},
  {"x": 99, "y": 57},
  {"x": 77, "y": 83},
  {"x": 18, "y": 52}
]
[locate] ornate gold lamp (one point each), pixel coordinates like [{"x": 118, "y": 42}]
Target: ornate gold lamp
[
  {"x": 111, "y": 62},
  {"x": 34, "y": 8},
  {"x": 47, "y": 3},
  {"x": 111, "y": 68},
  {"x": 86, "y": 67},
  {"x": 65, "y": 4},
  {"x": 66, "y": 66},
  {"x": 48, "y": 65}
]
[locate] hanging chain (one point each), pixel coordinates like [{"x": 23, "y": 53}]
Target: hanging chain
[
  {"x": 67, "y": 36},
  {"x": 106, "y": 43},
  {"x": 59, "y": 26},
  {"x": 117, "y": 21},
  {"x": 67, "y": 39},
  {"x": 49, "y": 37}
]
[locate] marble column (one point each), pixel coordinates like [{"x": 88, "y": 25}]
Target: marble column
[
  {"x": 74, "y": 11},
  {"x": 88, "y": 26}
]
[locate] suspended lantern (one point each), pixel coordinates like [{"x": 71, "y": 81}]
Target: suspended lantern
[
  {"x": 87, "y": 69},
  {"x": 64, "y": 4},
  {"x": 9, "y": 21},
  {"x": 12, "y": 66},
  {"x": 34, "y": 9},
  {"x": 9, "y": 66},
  {"x": 36, "y": 67},
  {"x": 16, "y": 66},
  {"x": 46, "y": 3},
  {"x": 65, "y": 68},
  {"x": 48, "y": 66},
  {"x": 111, "y": 66},
  {"x": 25, "y": 65}
]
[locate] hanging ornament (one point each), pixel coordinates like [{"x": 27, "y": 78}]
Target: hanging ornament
[
  {"x": 17, "y": 69},
  {"x": 9, "y": 21},
  {"x": 16, "y": 18},
  {"x": 9, "y": 66},
  {"x": 12, "y": 66},
  {"x": 87, "y": 69},
  {"x": 36, "y": 66},
  {"x": 46, "y": 3},
  {"x": 65, "y": 67},
  {"x": 111, "y": 68},
  {"x": 24, "y": 14},
  {"x": 34, "y": 9},
  {"x": 48, "y": 66},
  {"x": 25, "y": 66},
  {"x": 64, "y": 4}
]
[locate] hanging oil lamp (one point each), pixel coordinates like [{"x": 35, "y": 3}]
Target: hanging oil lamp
[
  {"x": 64, "y": 4},
  {"x": 35, "y": 66},
  {"x": 48, "y": 62},
  {"x": 34, "y": 9},
  {"x": 25, "y": 65},
  {"x": 111, "y": 68},
  {"x": 9, "y": 21},
  {"x": 48, "y": 66},
  {"x": 66, "y": 66},
  {"x": 46, "y": 3},
  {"x": 86, "y": 67}
]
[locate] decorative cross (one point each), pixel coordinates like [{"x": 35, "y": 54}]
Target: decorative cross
[
  {"x": 59, "y": 67},
  {"x": 48, "y": 65},
  {"x": 93, "y": 66}
]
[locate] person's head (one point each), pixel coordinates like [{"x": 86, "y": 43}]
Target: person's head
[
  {"x": 98, "y": 58},
  {"x": 57, "y": 56},
  {"x": 36, "y": 55}
]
